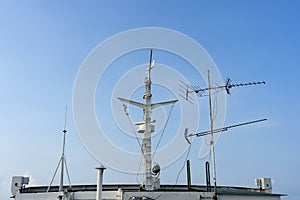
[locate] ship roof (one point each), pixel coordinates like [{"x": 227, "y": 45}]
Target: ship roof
[{"x": 222, "y": 190}]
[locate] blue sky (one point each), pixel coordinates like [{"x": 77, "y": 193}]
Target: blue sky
[{"x": 42, "y": 45}]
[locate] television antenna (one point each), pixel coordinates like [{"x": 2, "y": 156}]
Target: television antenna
[
  {"x": 201, "y": 92},
  {"x": 187, "y": 135},
  {"x": 62, "y": 162}
]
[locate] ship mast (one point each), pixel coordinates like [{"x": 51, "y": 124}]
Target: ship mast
[
  {"x": 146, "y": 144},
  {"x": 147, "y": 128}
]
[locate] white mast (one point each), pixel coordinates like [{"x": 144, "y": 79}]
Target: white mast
[
  {"x": 147, "y": 128},
  {"x": 146, "y": 144}
]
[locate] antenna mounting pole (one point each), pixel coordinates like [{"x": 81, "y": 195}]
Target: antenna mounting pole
[
  {"x": 212, "y": 143},
  {"x": 61, "y": 184}
]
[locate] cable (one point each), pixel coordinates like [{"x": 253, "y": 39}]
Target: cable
[
  {"x": 133, "y": 130},
  {"x": 215, "y": 107},
  {"x": 137, "y": 174},
  {"x": 180, "y": 171},
  {"x": 132, "y": 127},
  {"x": 187, "y": 155},
  {"x": 215, "y": 111},
  {"x": 163, "y": 131}
]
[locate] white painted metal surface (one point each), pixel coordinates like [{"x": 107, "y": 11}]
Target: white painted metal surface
[
  {"x": 100, "y": 171},
  {"x": 115, "y": 195}
]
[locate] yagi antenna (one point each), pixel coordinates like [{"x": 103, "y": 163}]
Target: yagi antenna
[
  {"x": 187, "y": 89},
  {"x": 228, "y": 85},
  {"x": 200, "y": 134},
  {"x": 184, "y": 89}
]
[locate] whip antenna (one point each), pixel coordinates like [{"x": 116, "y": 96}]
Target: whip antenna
[{"x": 62, "y": 162}]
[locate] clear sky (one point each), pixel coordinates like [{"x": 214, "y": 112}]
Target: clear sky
[{"x": 43, "y": 43}]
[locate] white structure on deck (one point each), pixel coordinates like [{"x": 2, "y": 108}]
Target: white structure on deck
[{"x": 134, "y": 192}]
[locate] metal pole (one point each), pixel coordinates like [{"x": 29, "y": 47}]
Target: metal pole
[
  {"x": 212, "y": 135},
  {"x": 207, "y": 173},
  {"x": 147, "y": 135},
  {"x": 61, "y": 185},
  {"x": 100, "y": 171},
  {"x": 188, "y": 173}
]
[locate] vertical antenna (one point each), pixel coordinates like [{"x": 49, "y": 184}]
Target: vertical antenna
[
  {"x": 61, "y": 185},
  {"x": 62, "y": 161},
  {"x": 212, "y": 134},
  {"x": 65, "y": 126}
]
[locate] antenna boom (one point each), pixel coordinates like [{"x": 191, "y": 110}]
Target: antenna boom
[{"x": 200, "y": 134}]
